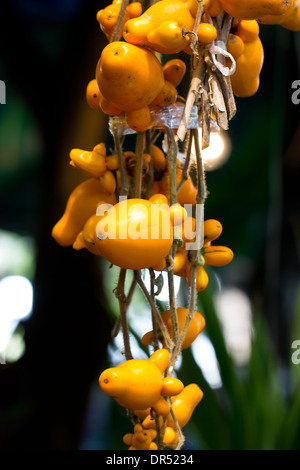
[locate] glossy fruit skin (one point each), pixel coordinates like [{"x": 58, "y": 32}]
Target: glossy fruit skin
[
  {"x": 158, "y": 158},
  {"x": 167, "y": 96},
  {"x": 206, "y": 33},
  {"x": 180, "y": 259},
  {"x": 174, "y": 71},
  {"x": 215, "y": 8},
  {"x": 289, "y": 20},
  {"x": 167, "y": 38},
  {"x": 128, "y": 76},
  {"x": 201, "y": 277},
  {"x": 141, "y": 439},
  {"x": 108, "y": 182},
  {"x": 112, "y": 162},
  {"x": 212, "y": 230},
  {"x": 136, "y": 31},
  {"x": 131, "y": 241},
  {"x": 159, "y": 199},
  {"x": 217, "y": 255},
  {"x": 197, "y": 325},
  {"x": 183, "y": 406},
  {"x": 92, "y": 163},
  {"x": 86, "y": 238},
  {"x": 108, "y": 17},
  {"x": 245, "y": 80},
  {"x": 178, "y": 214},
  {"x": 255, "y": 9},
  {"x": 139, "y": 119},
  {"x": 139, "y": 383},
  {"x": 187, "y": 193},
  {"x": 248, "y": 31},
  {"x": 194, "y": 4},
  {"x": 235, "y": 46},
  {"x": 93, "y": 95},
  {"x": 81, "y": 205}
]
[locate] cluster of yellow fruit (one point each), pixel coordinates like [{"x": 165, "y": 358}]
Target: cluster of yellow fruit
[
  {"x": 140, "y": 385},
  {"x": 138, "y": 231},
  {"x": 167, "y": 27}
]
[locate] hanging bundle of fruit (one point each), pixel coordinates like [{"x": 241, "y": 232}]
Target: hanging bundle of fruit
[{"x": 132, "y": 208}]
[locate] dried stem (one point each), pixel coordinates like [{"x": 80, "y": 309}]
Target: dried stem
[
  {"x": 186, "y": 165},
  {"x": 138, "y": 171},
  {"x": 201, "y": 184},
  {"x": 161, "y": 324},
  {"x": 154, "y": 322},
  {"x": 124, "y": 180},
  {"x": 193, "y": 94},
  {"x": 194, "y": 40},
  {"x": 120, "y": 294},
  {"x": 172, "y": 160},
  {"x": 117, "y": 31},
  {"x": 174, "y": 319}
]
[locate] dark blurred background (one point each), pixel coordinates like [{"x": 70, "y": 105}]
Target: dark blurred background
[{"x": 49, "y": 50}]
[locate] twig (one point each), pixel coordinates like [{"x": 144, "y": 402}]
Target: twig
[
  {"x": 194, "y": 40},
  {"x": 117, "y": 31},
  {"x": 124, "y": 180},
  {"x": 120, "y": 294},
  {"x": 197, "y": 78},
  {"x": 150, "y": 175},
  {"x": 154, "y": 322},
  {"x": 161, "y": 324},
  {"x": 172, "y": 159},
  {"x": 174, "y": 319},
  {"x": 138, "y": 170},
  {"x": 201, "y": 184},
  {"x": 184, "y": 175}
]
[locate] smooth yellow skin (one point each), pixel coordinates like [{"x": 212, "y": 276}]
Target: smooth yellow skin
[
  {"x": 174, "y": 71},
  {"x": 193, "y": 6},
  {"x": 206, "y": 33},
  {"x": 81, "y": 205},
  {"x": 290, "y": 20},
  {"x": 158, "y": 158},
  {"x": 167, "y": 38},
  {"x": 86, "y": 238},
  {"x": 139, "y": 383},
  {"x": 196, "y": 325},
  {"x": 167, "y": 96},
  {"x": 201, "y": 277},
  {"x": 255, "y": 9},
  {"x": 183, "y": 406},
  {"x": 141, "y": 439},
  {"x": 235, "y": 46},
  {"x": 108, "y": 182},
  {"x": 217, "y": 255},
  {"x": 248, "y": 30},
  {"x": 128, "y": 76},
  {"x": 93, "y": 163},
  {"x": 140, "y": 119},
  {"x": 212, "y": 230},
  {"x": 135, "y": 234},
  {"x": 136, "y": 30},
  {"x": 245, "y": 80}
]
